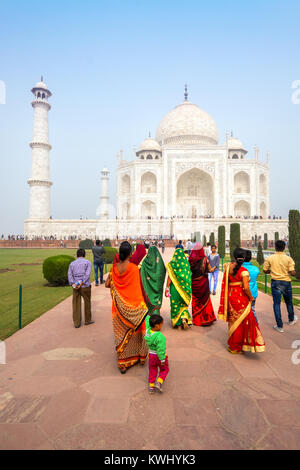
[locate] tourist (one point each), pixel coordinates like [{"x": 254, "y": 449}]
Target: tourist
[
  {"x": 139, "y": 254},
  {"x": 162, "y": 246},
  {"x": 214, "y": 262},
  {"x": 207, "y": 250},
  {"x": 253, "y": 273},
  {"x": 281, "y": 267},
  {"x": 79, "y": 278},
  {"x": 153, "y": 273},
  {"x": 98, "y": 252},
  {"x": 158, "y": 360},
  {"x": 189, "y": 247},
  {"x": 235, "y": 308},
  {"x": 202, "y": 309},
  {"x": 179, "y": 289},
  {"x": 128, "y": 310},
  {"x": 179, "y": 245}
]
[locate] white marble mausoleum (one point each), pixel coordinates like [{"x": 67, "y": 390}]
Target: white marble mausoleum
[{"x": 180, "y": 182}]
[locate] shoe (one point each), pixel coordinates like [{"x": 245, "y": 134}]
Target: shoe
[
  {"x": 97, "y": 284},
  {"x": 277, "y": 328},
  {"x": 214, "y": 292},
  {"x": 151, "y": 389},
  {"x": 158, "y": 386},
  {"x": 102, "y": 282},
  {"x": 89, "y": 322},
  {"x": 77, "y": 326},
  {"x": 294, "y": 321},
  {"x": 123, "y": 371},
  {"x": 185, "y": 324}
]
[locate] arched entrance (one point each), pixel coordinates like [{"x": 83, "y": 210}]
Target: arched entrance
[{"x": 195, "y": 194}]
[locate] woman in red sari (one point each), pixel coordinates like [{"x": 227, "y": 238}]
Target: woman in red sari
[
  {"x": 235, "y": 308},
  {"x": 139, "y": 254},
  {"x": 202, "y": 309}
]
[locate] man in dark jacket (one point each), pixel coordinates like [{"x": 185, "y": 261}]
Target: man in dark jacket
[{"x": 98, "y": 252}]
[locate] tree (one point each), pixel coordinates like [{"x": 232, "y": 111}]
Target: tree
[
  {"x": 212, "y": 238},
  {"x": 276, "y": 236},
  {"x": 255, "y": 240},
  {"x": 235, "y": 238},
  {"x": 86, "y": 244},
  {"x": 265, "y": 241},
  {"x": 204, "y": 240},
  {"x": 221, "y": 241},
  {"x": 294, "y": 239},
  {"x": 260, "y": 256}
]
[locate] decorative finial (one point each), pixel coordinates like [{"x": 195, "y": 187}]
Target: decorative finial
[
  {"x": 42, "y": 78},
  {"x": 185, "y": 93},
  {"x": 149, "y": 135},
  {"x": 231, "y": 134}
]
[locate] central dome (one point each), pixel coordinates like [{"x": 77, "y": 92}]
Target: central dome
[{"x": 187, "y": 124}]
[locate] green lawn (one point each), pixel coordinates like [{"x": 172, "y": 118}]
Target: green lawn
[
  {"x": 25, "y": 267},
  {"x": 261, "y": 282}
]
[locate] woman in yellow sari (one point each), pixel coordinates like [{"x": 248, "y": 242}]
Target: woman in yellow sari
[{"x": 128, "y": 310}]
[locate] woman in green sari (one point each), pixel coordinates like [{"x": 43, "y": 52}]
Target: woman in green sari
[
  {"x": 153, "y": 273},
  {"x": 179, "y": 289}
]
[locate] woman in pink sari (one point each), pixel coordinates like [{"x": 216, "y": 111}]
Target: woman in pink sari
[{"x": 202, "y": 309}]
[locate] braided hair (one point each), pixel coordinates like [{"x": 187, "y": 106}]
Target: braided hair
[{"x": 239, "y": 256}]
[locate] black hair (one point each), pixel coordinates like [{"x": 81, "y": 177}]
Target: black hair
[
  {"x": 80, "y": 253},
  {"x": 207, "y": 244},
  {"x": 239, "y": 256},
  {"x": 248, "y": 256},
  {"x": 155, "y": 320},
  {"x": 180, "y": 241},
  {"x": 279, "y": 245},
  {"x": 97, "y": 242},
  {"x": 125, "y": 250},
  {"x": 214, "y": 246},
  {"x": 146, "y": 245}
]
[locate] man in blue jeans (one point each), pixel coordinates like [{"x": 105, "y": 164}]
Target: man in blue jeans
[
  {"x": 281, "y": 266},
  {"x": 98, "y": 252}
]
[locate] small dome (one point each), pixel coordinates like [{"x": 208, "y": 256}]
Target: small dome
[
  {"x": 41, "y": 85},
  {"x": 187, "y": 124},
  {"x": 234, "y": 143},
  {"x": 149, "y": 144}
]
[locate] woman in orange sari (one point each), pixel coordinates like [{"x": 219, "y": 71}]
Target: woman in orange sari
[
  {"x": 235, "y": 308},
  {"x": 128, "y": 310}
]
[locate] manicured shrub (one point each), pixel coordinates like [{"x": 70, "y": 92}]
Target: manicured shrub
[
  {"x": 255, "y": 240},
  {"x": 212, "y": 238},
  {"x": 106, "y": 242},
  {"x": 265, "y": 241},
  {"x": 204, "y": 240},
  {"x": 55, "y": 269},
  {"x": 221, "y": 241},
  {"x": 109, "y": 254},
  {"x": 235, "y": 238},
  {"x": 260, "y": 256},
  {"x": 294, "y": 239},
  {"x": 86, "y": 244},
  {"x": 276, "y": 236}
]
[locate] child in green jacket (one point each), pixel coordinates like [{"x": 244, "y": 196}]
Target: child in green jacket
[{"x": 158, "y": 361}]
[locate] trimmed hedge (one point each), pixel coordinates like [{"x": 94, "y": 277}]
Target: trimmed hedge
[
  {"x": 106, "y": 242},
  {"x": 212, "y": 238},
  {"x": 260, "y": 256},
  {"x": 109, "y": 254},
  {"x": 265, "y": 241},
  {"x": 221, "y": 241},
  {"x": 294, "y": 239},
  {"x": 55, "y": 269},
  {"x": 86, "y": 244},
  {"x": 235, "y": 238}
]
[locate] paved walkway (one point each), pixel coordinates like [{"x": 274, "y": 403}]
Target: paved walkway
[{"x": 61, "y": 388}]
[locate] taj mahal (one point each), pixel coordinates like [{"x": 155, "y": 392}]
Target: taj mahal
[{"x": 180, "y": 182}]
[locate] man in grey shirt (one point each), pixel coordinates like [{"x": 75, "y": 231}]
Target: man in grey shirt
[{"x": 98, "y": 252}]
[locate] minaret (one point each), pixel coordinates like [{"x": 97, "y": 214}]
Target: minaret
[
  {"x": 104, "y": 213},
  {"x": 39, "y": 182}
]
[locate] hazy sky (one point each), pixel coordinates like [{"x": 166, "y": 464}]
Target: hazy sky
[{"x": 116, "y": 67}]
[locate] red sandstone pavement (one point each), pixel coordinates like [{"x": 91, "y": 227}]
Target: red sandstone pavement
[{"x": 61, "y": 388}]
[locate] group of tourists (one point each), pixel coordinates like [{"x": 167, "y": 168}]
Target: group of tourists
[{"x": 136, "y": 282}]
